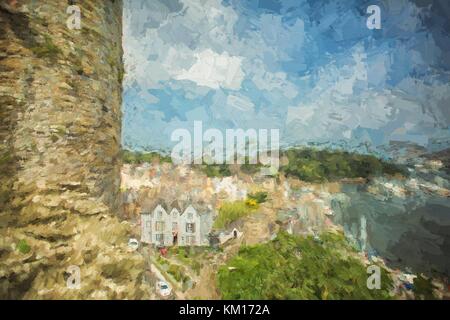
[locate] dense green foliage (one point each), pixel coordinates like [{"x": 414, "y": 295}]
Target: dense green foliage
[
  {"x": 23, "y": 247},
  {"x": 249, "y": 168},
  {"x": 307, "y": 164},
  {"x": 135, "y": 157},
  {"x": 314, "y": 165},
  {"x": 319, "y": 165},
  {"x": 216, "y": 170},
  {"x": 175, "y": 270},
  {"x": 292, "y": 267},
  {"x": 423, "y": 288},
  {"x": 259, "y": 197},
  {"x": 231, "y": 211},
  {"x": 189, "y": 256},
  {"x": 177, "y": 273}
]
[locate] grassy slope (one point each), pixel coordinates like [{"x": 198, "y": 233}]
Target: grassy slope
[{"x": 292, "y": 267}]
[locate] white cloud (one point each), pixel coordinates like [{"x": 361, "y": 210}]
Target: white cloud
[
  {"x": 162, "y": 45},
  {"x": 214, "y": 70},
  {"x": 203, "y": 49},
  {"x": 197, "y": 42}
]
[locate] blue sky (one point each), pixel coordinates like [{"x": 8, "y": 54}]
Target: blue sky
[{"x": 309, "y": 68}]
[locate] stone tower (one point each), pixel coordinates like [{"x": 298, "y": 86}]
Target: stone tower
[{"x": 60, "y": 128}]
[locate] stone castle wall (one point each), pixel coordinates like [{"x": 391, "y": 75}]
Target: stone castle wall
[{"x": 60, "y": 128}]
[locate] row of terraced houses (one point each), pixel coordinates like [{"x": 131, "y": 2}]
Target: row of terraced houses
[{"x": 167, "y": 225}]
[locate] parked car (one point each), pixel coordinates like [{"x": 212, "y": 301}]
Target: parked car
[
  {"x": 163, "y": 288},
  {"x": 133, "y": 244}
]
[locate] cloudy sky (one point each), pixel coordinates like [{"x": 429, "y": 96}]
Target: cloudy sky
[{"x": 309, "y": 68}]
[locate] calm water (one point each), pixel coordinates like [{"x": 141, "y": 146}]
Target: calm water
[{"x": 409, "y": 233}]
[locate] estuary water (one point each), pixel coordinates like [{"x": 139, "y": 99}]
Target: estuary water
[{"x": 410, "y": 232}]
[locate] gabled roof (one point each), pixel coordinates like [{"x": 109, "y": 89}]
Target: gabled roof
[
  {"x": 176, "y": 205},
  {"x": 150, "y": 204}
]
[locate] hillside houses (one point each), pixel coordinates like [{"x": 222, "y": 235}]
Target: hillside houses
[{"x": 165, "y": 225}]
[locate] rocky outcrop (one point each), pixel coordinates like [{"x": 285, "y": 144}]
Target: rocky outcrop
[{"x": 60, "y": 128}]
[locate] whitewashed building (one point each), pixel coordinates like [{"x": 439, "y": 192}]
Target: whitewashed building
[{"x": 165, "y": 226}]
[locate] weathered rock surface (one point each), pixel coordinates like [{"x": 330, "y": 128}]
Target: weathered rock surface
[{"x": 60, "y": 120}]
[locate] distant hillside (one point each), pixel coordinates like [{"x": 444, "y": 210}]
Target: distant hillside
[
  {"x": 136, "y": 157},
  {"x": 307, "y": 164},
  {"x": 319, "y": 165}
]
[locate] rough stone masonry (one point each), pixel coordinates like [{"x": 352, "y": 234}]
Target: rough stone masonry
[{"x": 60, "y": 128}]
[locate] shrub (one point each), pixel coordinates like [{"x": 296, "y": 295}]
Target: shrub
[
  {"x": 251, "y": 203},
  {"x": 23, "y": 247},
  {"x": 250, "y": 168},
  {"x": 259, "y": 197},
  {"x": 161, "y": 261},
  {"x": 177, "y": 272},
  {"x": 214, "y": 170},
  {"x": 423, "y": 288},
  {"x": 231, "y": 211},
  {"x": 196, "y": 266}
]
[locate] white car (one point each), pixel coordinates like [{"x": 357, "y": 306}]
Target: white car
[
  {"x": 163, "y": 288},
  {"x": 133, "y": 244}
]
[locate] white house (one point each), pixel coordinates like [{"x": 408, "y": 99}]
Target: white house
[{"x": 163, "y": 225}]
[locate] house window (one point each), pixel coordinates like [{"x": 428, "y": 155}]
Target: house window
[
  {"x": 190, "y": 240},
  {"x": 160, "y": 237},
  {"x": 148, "y": 224},
  {"x": 159, "y": 226},
  {"x": 174, "y": 226},
  {"x": 190, "y": 227},
  {"x": 190, "y": 215}
]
